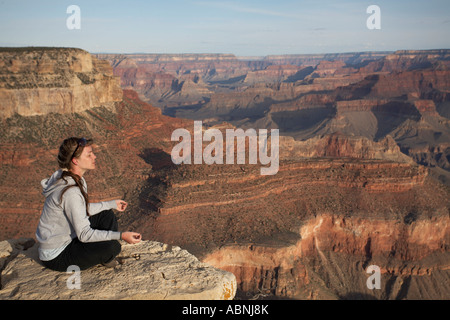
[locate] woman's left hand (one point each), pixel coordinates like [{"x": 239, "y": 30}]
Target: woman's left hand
[{"x": 121, "y": 205}]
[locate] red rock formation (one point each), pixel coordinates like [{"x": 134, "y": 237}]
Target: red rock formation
[
  {"x": 413, "y": 83},
  {"x": 276, "y": 73},
  {"x": 315, "y": 59},
  {"x": 322, "y": 263},
  {"x": 330, "y": 68},
  {"x": 337, "y": 145},
  {"x": 402, "y": 60}
]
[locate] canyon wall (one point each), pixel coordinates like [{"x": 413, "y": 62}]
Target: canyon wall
[
  {"x": 37, "y": 81},
  {"x": 169, "y": 80},
  {"x": 332, "y": 258},
  {"x": 311, "y": 230}
]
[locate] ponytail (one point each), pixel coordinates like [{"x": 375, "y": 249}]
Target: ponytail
[
  {"x": 78, "y": 183},
  {"x": 70, "y": 148}
]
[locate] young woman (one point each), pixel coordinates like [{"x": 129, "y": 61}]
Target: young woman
[{"x": 71, "y": 230}]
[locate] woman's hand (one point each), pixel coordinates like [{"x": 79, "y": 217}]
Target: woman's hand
[
  {"x": 121, "y": 205},
  {"x": 131, "y": 237}
]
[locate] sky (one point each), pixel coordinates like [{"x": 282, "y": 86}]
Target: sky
[{"x": 243, "y": 28}]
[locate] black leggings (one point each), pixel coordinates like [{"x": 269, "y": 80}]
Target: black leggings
[{"x": 86, "y": 255}]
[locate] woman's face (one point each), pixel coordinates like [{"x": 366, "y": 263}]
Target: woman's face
[{"x": 86, "y": 161}]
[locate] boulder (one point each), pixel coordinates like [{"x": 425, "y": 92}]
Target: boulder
[{"x": 148, "y": 270}]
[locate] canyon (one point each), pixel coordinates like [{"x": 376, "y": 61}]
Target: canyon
[
  {"x": 363, "y": 161},
  {"x": 402, "y": 94}
]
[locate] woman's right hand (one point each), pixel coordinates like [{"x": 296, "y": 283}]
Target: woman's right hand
[{"x": 131, "y": 237}]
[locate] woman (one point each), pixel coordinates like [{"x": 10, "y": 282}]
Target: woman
[{"x": 71, "y": 230}]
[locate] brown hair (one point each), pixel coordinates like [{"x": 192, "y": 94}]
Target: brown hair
[{"x": 69, "y": 149}]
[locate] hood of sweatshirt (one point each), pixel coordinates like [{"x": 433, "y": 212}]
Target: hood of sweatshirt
[{"x": 49, "y": 185}]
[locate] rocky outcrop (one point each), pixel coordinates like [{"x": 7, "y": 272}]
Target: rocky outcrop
[
  {"x": 148, "y": 270},
  {"x": 38, "y": 81},
  {"x": 341, "y": 146},
  {"x": 402, "y": 60},
  {"x": 412, "y": 84},
  {"x": 253, "y": 102},
  {"x": 271, "y": 74},
  {"x": 331, "y": 257}
]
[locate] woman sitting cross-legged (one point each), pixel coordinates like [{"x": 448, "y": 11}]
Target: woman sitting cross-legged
[{"x": 71, "y": 230}]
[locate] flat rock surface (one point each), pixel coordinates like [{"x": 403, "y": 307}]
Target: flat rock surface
[{"x": 148, "y": 270}]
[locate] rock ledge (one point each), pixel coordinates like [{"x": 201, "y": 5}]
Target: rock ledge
[{"x": 150, "y": 270}]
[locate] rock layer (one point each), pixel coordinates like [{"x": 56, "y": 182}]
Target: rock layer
[
  {"x": 331, "y": 259},
  {"x": 37, "y": 81}
]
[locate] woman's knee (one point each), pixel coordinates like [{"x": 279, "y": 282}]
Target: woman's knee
[
  {"x": 116, "y": 247},
  {"x": 105, "y": 220},
  {"x": 112, "y": 251}
]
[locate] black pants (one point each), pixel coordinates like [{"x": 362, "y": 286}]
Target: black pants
[{"x": 86, "y": 255}]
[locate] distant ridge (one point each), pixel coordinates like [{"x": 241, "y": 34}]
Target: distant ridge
[{"x": 158, "y": 58}]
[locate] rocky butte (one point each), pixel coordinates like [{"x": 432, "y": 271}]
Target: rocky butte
[
  {"x": 37, "y": 81},
  {"x": 349, "y": 192}
]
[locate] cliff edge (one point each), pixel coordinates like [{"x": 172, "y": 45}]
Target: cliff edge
[
  {"x": 38, "y": 81},
  {"x": 148, "y": 270}
]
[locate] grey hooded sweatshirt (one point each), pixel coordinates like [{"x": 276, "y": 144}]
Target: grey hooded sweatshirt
[{"x": 62, "y": 221}]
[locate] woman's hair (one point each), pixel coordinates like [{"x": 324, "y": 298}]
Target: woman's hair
[{"x": 69, "y": 149}]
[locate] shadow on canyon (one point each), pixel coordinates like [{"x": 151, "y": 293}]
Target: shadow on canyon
[{"x": 155, "y": 188}]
